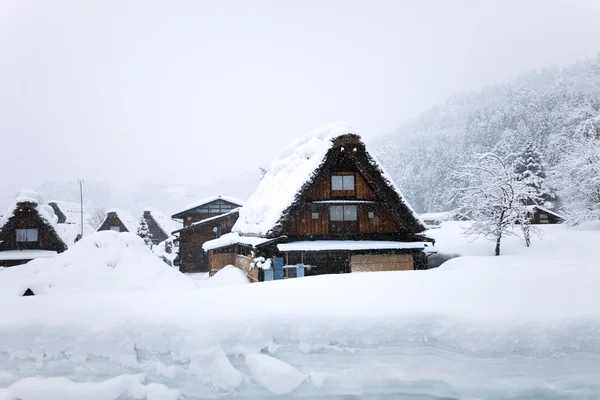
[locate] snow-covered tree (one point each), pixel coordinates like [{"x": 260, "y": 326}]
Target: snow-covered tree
[
  {"x": 529, "y": 168},
  {"x": 144, "y": 232},
  {"x": 95, "y": 217},
  {"x": 578, "y": 178},
  {"x": 494, "y": 199}
]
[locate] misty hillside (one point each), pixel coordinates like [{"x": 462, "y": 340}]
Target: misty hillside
[
  {"x": 548, "y": 107},
  {"x": 135, "y": 197}
]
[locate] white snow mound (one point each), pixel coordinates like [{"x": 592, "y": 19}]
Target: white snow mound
[
  {"x": 274, "y": 375},
  {"x": 229, "y": 275},
  {"x": 106, "y": 261}
]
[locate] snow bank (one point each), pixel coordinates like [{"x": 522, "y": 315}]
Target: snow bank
[
  {"x": 473, "y": 331},
  {"x": 229, "y": 275},
  {"x": 102, "y": 262}
]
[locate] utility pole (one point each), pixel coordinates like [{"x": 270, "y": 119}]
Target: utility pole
[{"x": 81, "y": 202}]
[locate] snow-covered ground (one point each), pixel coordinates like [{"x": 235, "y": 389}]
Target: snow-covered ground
[{"x": 524, "y": 325}]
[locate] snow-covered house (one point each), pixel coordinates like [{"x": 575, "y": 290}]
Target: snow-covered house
[
  {"x": 120, "y": 221},
  {"x": 206, "y": 208},
  {"x": 192, "y": 257},
  {"x": 68, "y": 212},
  {"x": 159, "y": 224},
  {"x": 27, "y": 231},
  {"x": 542, "y": 215},
  {"x": 326, "y": 202}
]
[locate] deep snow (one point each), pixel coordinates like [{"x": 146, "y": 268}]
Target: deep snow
[{"x": 523, "y": 325}]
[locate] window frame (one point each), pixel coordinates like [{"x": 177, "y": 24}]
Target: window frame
[
  {"x": 343, "y": 183},
  {"x": 343, "y": 212},
  {"x": 28, "y": 235}
]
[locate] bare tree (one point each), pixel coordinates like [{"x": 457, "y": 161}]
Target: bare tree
[
  {"x": 495, "y": 199},
  {"x": 95, "y": 217}
]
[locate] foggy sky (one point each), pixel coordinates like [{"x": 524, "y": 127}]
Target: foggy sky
[{"x": 196, "y": 91}]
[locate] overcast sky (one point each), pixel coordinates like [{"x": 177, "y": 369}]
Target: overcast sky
[{"x": 194, "y": 91}]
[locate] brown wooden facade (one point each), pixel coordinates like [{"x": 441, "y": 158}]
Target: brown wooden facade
[
  {"x": 112, "y": 222},
  {"x": 192, "y": 257},
  {"x": 27, "y": 217}
]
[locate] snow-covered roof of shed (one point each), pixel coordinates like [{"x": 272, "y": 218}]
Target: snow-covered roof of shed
[
  {"x": 230, "y": 239},
  {"x": 210, "y": 199},
  {"x": 286, "y": 175},
  {"x": 163, "y": 220},
  {"x": 130, "y": 222},
  {"x": 71, "y": 210},
  {"x": 533, "y": 207}
]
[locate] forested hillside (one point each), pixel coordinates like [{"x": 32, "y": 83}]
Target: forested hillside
[{"x": 556, "y": 110}]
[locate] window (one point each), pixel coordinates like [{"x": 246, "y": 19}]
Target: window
[
  {"x": 27, "y": 235},
  {"x": 315, "y": 215},
  {"x": 115, "y": 228},
  {"x": 342, "y": 182},
  {"x": 343, "y": 213},
  {"x": 544, "y": 219},
  {"x": 371, "y": 214}
]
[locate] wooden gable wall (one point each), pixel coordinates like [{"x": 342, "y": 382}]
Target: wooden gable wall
[{"x": 368, "y": 195}]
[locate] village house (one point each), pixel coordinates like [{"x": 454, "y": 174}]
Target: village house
[
  {"x": 202, "y": 221},
  {"x": 327, "y": 204},
  {"x": 67, "y": 212},
  {"x": 541, "y": 215},
  {"x": 120, "y": 221},
  {"x": 159, "y": 224},
  {"x": 27, "y": 231}
]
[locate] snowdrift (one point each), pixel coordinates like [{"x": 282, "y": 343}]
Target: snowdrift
[{"x": 102, "y": 262}]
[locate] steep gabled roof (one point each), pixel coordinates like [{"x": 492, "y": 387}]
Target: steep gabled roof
[
  {"x": 27, "y": 201},
  {"x": 540, "y": 208},
  {"x": 70, "y": 210},
  {"x": 131, "y": 223},
  {"x": 164, "y": 222},
  {"x": 294, "y": 170},
  {"x": 205, "y": 201}
]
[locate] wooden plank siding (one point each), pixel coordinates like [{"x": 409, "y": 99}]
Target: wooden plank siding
[{"x": 381, "y": 262}]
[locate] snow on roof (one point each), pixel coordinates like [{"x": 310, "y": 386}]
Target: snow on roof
[
  {"x": 163, "y": 220},
  {"x": 210, "y": 199},
  {"x": 130, "y": 222},
  {"x": 25, "y": 254},
  {"x": 205, "y": 220},
  {"x": 105, "y": 261},
  {"x": 287, "y": 174},
  {"x": 327, "y": 245},
  {"x": 230, "y": 239},
  {"x": 28, "y": 196},
  {"x": 532, "y": 208},
  {"x": 71, "y": 210}
]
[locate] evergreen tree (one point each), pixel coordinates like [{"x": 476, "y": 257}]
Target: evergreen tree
[
  {"x": 529, "y": 168},
  {"x": 144, "y": 232}
]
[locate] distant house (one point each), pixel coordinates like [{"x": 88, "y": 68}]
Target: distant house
[
  {"x": 193, "y": 235},
  {"x": 206, "y": 208},
  {"x": 120, "y": 221},
  {"x": 541, "y": 215},
  {"x": 326, "y": 203},
  {"x": 27, "y": 231},
  {"x": 67, "y": 212},
  {"x": 434, "y": 220},
  {"x": 160, "y": 225}
]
